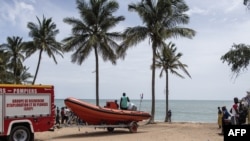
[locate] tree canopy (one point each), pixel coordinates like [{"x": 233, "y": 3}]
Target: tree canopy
[{"x": 238, "y": 58}]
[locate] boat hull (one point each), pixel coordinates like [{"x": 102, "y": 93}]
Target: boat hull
[{"x": 96, "y": 115}]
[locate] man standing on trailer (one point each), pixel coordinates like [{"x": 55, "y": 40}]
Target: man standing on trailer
[{"x": 124, "y": 102}]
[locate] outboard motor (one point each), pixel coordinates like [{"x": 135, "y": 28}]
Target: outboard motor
[{"x": 132, "y": 106}]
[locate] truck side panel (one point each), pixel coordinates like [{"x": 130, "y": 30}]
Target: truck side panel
[
  {"x": 27, "y": 105},
  {"x": 32, "y": 105},
  {"x": 1, "y": 114}
]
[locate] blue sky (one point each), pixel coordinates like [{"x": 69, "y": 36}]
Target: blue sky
[{"x": 218, "y": 25}]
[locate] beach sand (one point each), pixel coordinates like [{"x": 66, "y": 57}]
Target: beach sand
[{"x": 160, "y": 131}]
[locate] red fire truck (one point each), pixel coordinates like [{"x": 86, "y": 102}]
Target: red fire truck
[{"x": 24, "y": 110}]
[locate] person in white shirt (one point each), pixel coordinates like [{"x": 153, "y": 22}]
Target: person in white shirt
[
  {"x": 67, "y": 114},
  {"x": 235, "y": 112}
]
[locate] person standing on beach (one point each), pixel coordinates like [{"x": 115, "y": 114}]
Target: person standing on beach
[
  {"x": 247, "y": 99},
  {"x": 225, "y": 117},
  {"x": 67, "y": 114},
  {"x": 219, "y": 117},
  {"x": 62, "y": 115},
  {"x": 124, "y": 102},
  {"x": 57, "y": 116},
  {"x": 169, "y": 116},
  {"x": 235, "y": 112},
  {"x": 242, "y": 113}
]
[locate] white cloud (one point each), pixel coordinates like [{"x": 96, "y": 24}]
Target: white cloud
[
  {"x": 196, "y": 10},
  {"x": 16, "y": 13},
  {"x": 232, "y": 6}
]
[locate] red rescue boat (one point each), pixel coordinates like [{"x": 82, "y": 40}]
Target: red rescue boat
[
  {"x": 96, "y": 115},
  {"x": 107, "y": 115}
]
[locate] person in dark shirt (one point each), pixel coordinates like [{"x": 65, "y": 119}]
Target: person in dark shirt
[
  {"x": 169, "y": 116},
  {"x": 57, "y": 116},
  {"x": 117, "y": 105},
  {"x": 62, "y": 115}
]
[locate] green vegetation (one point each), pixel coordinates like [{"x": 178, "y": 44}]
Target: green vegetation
[
  {"x": 91, "y": 32},
  {"x": 169, "y": 61},
  {"x": 161, "y": 20},
  {"x": 238, "y": 57},
  {"x": 44, "y": 40},
  {"x": 11, "y": 62}
]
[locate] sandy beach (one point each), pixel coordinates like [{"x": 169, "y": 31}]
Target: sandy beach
[{"x": 160, "y": 131}]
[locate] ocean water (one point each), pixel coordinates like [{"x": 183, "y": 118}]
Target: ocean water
[{"x": 204, "y": 111}]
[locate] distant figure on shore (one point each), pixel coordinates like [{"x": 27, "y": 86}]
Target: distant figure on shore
[
  {"x": 67, "y": 114},
  {"x": 243, "y": 111},
  {"x": 117, "y": 105},
  {"x": 62, "y": 115},
  {"x": 247, "y": 103},
  {"x": 219, "y": 117},
  {"x": 225, "y": 118},
  {"x": 169, "y": 116},
  {"x": 124, "y": 102},
  {"x": 58, "y": 116},
  {"x": 235, "y": 112}
]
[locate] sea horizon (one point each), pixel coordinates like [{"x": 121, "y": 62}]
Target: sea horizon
[
  {"x": 155, "y": 99},
  {"x": 202, "y": 111}
]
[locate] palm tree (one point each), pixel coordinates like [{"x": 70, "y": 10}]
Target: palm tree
[
  {"x": 24, "y": 76},
  {"x": 91, "y": 32},
  {"x": 6, "y": 76},
  {"x": 13, "y": 48},
  {"x": 44, "y": 40},
  {"x": 246, "y": 2},
  {"x": 238, "y": 57},
  {"x": 161, "y": 20},
  {"x": 169, "y": 61}
]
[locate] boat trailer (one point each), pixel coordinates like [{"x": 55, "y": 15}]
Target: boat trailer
[{"x": 132, "y": 126}]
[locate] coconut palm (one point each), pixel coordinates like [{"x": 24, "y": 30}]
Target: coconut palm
[
  {"x": 44, "y": 40},
  {"x": 13, "y": 49},
  {"x": 24, "y": 76},
  {"x": 161, "y": 20},
  {"x": 169, "y": 61},
  {"x": 91, "y": 33},
  {"x": 238, "y": 57},
  {"x": 6, "y": 76},
  {"x": 246, "y": 2}
]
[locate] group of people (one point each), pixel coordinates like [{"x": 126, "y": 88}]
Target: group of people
[
  {"x": 237, "y": 114},
  {"x": 64, "y": 116}
]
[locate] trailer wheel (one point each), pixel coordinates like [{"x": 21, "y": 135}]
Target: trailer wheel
[
  {"x": 133, "y": 127},
  {"x": 20, "y": 133},
  {"x": 110, "y": 129}
]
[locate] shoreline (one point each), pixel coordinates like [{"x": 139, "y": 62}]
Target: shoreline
[{"x": 158, "y": 131}]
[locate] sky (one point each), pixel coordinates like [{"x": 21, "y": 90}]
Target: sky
[{"x": 218, "y": 26}]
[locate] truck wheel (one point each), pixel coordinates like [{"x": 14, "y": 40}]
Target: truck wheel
[{"x": 20, "y": 133}]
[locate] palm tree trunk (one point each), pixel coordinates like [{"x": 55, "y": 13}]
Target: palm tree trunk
[
  {"x": 167, "y": 93},
  {"x": 153, "y": 87},
  {"x": 15, "y": 71},
  {"x": 38, "y": 65},
  {"x": 97, "y": 77}
]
